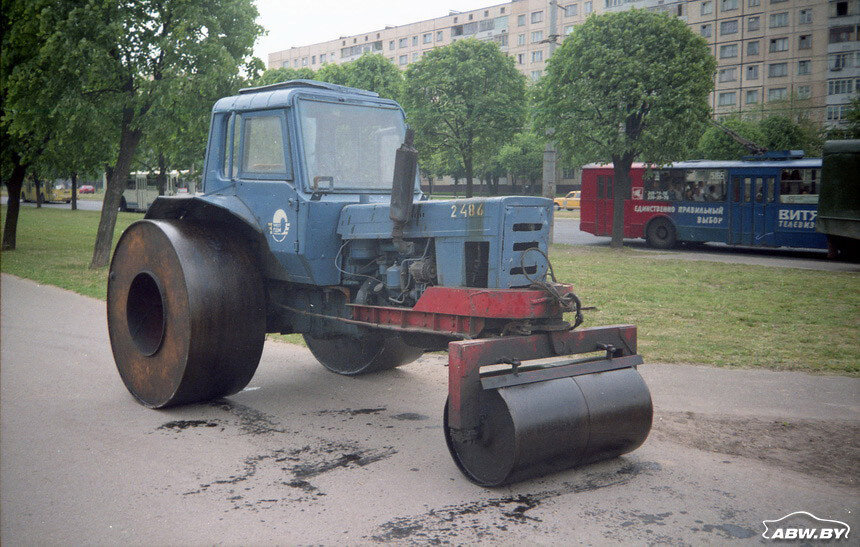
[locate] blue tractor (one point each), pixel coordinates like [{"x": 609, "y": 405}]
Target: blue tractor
[{"x": 312, "y": 221}]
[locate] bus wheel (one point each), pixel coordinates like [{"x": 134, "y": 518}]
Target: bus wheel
[{"x": 660, "y": 234}]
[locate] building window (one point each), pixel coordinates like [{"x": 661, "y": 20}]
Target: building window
[
  {"x": 706, "y": 30},
  {"x": 537, "y": 17},
  {"x": 707, "y": 7},
  {"x": 313, "y": 59},
  {"x": 521, "y": 58},
  {"x": 728, "y": 51},
  {"x": 777, "y": 70},
  {"x": 841, "y": 34},
  {"x": 295, "y": 62},
  {"x": 414, "y": 40},
  {"x": 571, "y": 10},
  {"x": 521, "y": 20},
  {"x": 427, "y": 38},
  {"x": 536, "y": 74},
  {"x": 727, "y": 98},
  {"x": 439, "y": 35},
  {"x": 568, "y": 29},
  {"x": 304, "y": 61},
  {"x": 778, "y": 20},
  {"x": 728, "y": 5},
  {"x": 521, "y": 39},
  {"x": 391, "y": 45},
  {"x": 804, "y": 17},
  {"x": 403, "y": 42},
  {"x": 777, "y": 1},
  {"x": 537, "y": 36},
  {"x": 728, "y": 74},
  {"x": 840, "y": 9},
  {"x": 804, "y": 41},
  {"x": 777, "y": 93},
  {"x": 502, "y": 40},
  {"x": 752, "y": 96},
  {"x": 322, "y": 58},
  {"x": 804, "y": 91},
  {"x": 838, "y": 61},
  {"x": 778, "y": 44},
  {"x": 752, "y": 72},
  {"x": 841, "y": 86},
  {"x": 753, "y": 23},
  {"x": 754, "y": 3},
  {"x": 804, "y": 67},
  {"x": 402, "y": 60},
  {"x": 837, "y": 112},
  {"x": 729, "y": 27},
  {"x": 588, "y": 8},
  {"x": 753, "y": 48},
  {"x": 537, "y": 56}
]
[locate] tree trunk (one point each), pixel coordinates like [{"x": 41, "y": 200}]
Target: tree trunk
[
  {"x": 128, "y": 141},
  {"x": 13, "y": 186},
  {"x": 620, "y": 194},
  {"x": 38, "y": 184},
  {"x": 467, "y": 163},
  {"x": 74, "y": 191},
  {"x": 161, "y": 179}
]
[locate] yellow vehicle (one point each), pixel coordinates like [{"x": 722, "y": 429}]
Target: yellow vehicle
[
  {"x": 52, "y": 191},
  {"x": 569, "y": 202}
]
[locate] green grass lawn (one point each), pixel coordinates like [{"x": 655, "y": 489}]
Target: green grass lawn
[{"x": 687, "y": 312}]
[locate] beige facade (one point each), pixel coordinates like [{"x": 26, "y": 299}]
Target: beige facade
[{"x": 770, "y": 53}]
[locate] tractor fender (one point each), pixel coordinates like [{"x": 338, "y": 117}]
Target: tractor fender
[{"x": 229, "y": 211}]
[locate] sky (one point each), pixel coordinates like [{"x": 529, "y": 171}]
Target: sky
[{"x": 303, "y": 22}]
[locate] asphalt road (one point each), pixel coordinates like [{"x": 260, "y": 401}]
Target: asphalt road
[
  {"x": 83, "y": 204},
  {"x": 305, "y": 456}
]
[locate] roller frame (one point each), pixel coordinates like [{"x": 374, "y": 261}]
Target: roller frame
[{"x": 465, "y": 359}]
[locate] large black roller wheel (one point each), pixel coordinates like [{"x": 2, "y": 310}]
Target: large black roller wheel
[
  {"x": 534, "y": 429},
  {"x": 375, "y": 352},
  {"x": 186, "y": 312}
]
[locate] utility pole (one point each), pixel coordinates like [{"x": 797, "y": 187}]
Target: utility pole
[{"x": 551, "y": 170}]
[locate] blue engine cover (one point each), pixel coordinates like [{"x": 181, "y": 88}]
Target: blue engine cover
[{"x": 467, "y": 233}]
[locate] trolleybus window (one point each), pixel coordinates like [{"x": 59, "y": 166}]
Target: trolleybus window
[
  {"x": 799, "y": 186},
  {"x": 685, "y": 184}
]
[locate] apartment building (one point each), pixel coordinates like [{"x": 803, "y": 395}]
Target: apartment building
[{"x": 791, "y": 53}]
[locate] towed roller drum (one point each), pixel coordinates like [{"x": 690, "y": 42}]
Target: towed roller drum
[
  {"x": 186, "y": 312},
  {"x": 538, "y": 428}
]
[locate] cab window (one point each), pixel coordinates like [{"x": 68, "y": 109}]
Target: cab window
[{"x": 263, "y": 146}]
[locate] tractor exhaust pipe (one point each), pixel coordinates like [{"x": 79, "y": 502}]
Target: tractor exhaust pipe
[{"x": 403, "y": 190}]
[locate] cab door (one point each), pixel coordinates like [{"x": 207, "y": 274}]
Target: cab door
[
  {"x": 741, "y": 211},
  {"x": 763, "y": 210}
]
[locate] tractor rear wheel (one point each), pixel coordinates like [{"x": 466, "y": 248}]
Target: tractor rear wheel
[
  {"x": 660, "y": 234},
  {"x": 186, "y": 312},
  {"x": 376, "y": 352}
]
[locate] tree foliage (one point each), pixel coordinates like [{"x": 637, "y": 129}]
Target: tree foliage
[
  {"x": 283, "y": 74},
  {"x": 130, "y": 62},
  {"x": 716, "y": 144},
  {"x": 464, "y": 99},
  {"x": 625, "y": 86},
  {"x": 523, "y": 156},
  {"x": 374, "y": 72}
]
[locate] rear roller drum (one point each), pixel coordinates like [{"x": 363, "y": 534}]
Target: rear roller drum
[
  {"x": 534, "y": 429},
  {"x": 374, "y": 353},
  {"x": 186, "y": 312}
]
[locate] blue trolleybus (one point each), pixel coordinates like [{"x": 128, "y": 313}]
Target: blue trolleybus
[{"x": 769, "y": 201}]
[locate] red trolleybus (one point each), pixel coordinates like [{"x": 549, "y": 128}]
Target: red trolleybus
[{"x": 770, "y": 201}]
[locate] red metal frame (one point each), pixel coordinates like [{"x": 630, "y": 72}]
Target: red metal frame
[{"x": 463, "y": 311}]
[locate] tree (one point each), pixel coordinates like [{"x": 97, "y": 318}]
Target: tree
[
  {"x": 716, "y": 144},
  {"x": 131, "y": 58},
  {"x": 523, "y": 157},
  {"x": 782, "y": 133},
  {"x": 625, "y": 86},
  {"x": 374, "y": 72},
  {"x": 334, "y": 74},
  {"x": 284, "y": 74},
  {"x": 466, "y": 98}
]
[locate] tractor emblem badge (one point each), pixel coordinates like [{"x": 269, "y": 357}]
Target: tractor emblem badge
[{"x": 280, "y": 226}]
